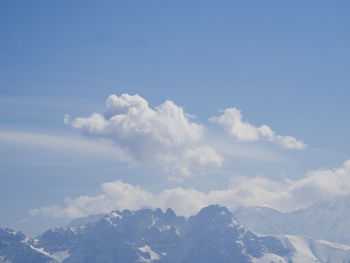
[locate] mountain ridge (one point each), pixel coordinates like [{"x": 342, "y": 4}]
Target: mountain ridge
[
  {"x": 323, "y": 220},
  {"x": 212, "y": 235}
]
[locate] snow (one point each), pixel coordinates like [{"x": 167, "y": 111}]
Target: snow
[
  {"x": 60, "y": 256},
  {"x": 322, "y": 221},
  {"x": 110, "y": 221},
  {"x": 153, "y": 223},
  {"x": 301, "y": 245},
  {"x": 74, "y": 230},
  {"x": 111, "y": 217},
  {"x": 305, "y": 249},
  {"x": 177, "y": 232},
  {"x": 115, "y": 215},
  {"x": 147, "y": 249},
  {"x": 234, "y": 223},
  {"x": 268, "y": 258},
  {"x": 162, "y": 228},
  {"x": 335, "y": 245},
  {"x": 25, "y": 240},
  {"x": 40, "y": 250}
]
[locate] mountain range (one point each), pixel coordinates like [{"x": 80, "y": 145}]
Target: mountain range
[{"x": 213, "y": 235}]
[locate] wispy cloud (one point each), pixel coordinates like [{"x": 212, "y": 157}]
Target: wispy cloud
[{"x": 56, "y": 142}]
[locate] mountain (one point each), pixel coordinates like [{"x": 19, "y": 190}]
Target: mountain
[
  {"x": 16, "y": 248},
  {"x": 213, "y": 235},
  {"x": 326, "y": 220}
]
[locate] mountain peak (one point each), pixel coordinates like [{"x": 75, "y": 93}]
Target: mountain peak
[
  {"x": 170, "y": 213},
  {"x": 216, "y": 213}
]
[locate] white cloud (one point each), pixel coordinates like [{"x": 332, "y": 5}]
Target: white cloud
[
  {"x": 231, "y": 119},
  {"x": 289, "y": 142},
  {"x": 66, "y": 119},
  {"x": 130, "y": 118},
  {"x": 163, "y": 134},
  {"x": 194, "y": 160},
  {"x": 286, "y": 195},
  {"x": 119, "y": 195}
]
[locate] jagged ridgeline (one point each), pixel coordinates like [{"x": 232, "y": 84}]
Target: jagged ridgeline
[{"x": 213, "y": 235}]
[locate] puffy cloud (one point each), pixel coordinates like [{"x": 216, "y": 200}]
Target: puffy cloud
[
  {"x": 130, "y": 118},
  {"x": 168, "y": 136},
  {"x": 289, "y": 142},
  {"x": 231, "y": 119},
  {"x": 286, "y": 195},
  {"x": 193, "y": 160},
  {"x": 163, "y": 134},
  {"x": 119, "y": 195},
  {"x": 324, "y": 184}
]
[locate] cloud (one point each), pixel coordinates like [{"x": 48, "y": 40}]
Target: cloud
[
  {"x": 66, "y": 119},
  {"x": 77, "y": 145},
  {"x": 170, "y": 138},
  {"x": 163, "y": 134},
  {"x": 231, "y": 119},
  {"x": 193, "y": 160},
  {"x": 286, "y": 195},
  {"x": 119, "y": 195},
  {"x": 129, "y": 117}
]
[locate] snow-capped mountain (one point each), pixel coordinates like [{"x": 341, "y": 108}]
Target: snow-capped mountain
[
  {"x": 16, "y": 248},
  {"x": 327, "y": 221},
  {"x": 213, "y": 235}
]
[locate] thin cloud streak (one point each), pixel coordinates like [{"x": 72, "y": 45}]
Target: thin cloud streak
[{"x": 79, "y": 145}]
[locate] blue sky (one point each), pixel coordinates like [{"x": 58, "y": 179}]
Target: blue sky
[{"x": 283, "y": 64}]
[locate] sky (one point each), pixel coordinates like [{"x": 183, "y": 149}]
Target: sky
[{"x": 131, "y": 104}]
